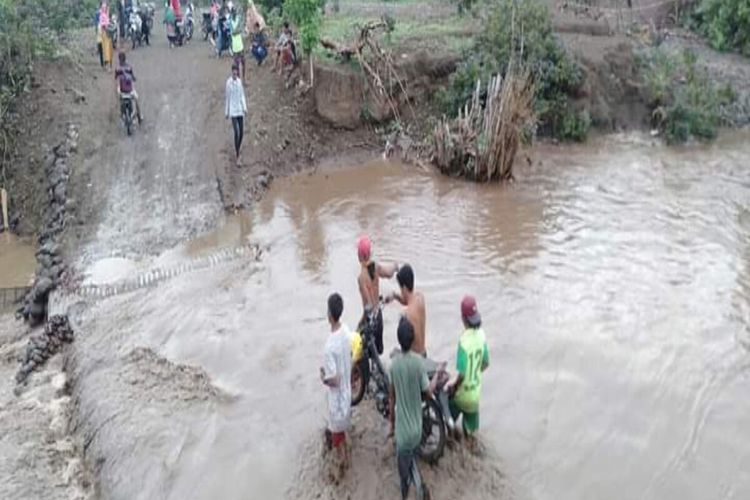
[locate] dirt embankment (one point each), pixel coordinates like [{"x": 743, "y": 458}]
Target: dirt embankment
[{"x": 39, "y": 122}]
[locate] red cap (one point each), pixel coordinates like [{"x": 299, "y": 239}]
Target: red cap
[
  {"x": 364, "y": 248},
  {"x": 469, "y": 310}
]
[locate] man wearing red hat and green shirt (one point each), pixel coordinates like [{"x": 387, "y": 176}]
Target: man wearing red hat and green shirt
[{"x": 472, "y": 359}]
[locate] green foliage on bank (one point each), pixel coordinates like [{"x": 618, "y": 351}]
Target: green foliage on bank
[
  {"x": 724, "y": 23},
  {"x": 307, "y": 16},
  {"x": 522, "y": 30},
  {"x": 685, "y": 102},
  {"x": 30, "y": 29}
]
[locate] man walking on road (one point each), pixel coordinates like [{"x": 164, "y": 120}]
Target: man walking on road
[{"x": 236, "y": 108}]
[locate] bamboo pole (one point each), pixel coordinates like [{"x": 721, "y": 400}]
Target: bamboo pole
[{"x": 4, "y": 203}]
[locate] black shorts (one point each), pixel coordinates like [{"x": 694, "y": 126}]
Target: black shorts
[{"x": 408, "y": 472}]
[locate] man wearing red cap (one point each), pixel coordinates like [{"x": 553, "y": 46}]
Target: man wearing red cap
[
  {"x": 369, "y": 286},
  {"x": 472, "y": 359}
]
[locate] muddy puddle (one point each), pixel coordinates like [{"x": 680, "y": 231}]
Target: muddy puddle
[
  {"x": 614, "y": 284},
  {"x": 17, "y": 261}
]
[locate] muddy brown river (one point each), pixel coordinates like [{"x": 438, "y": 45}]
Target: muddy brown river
[
  {"x": 614, "y": 284},
  {"x": 17, "y": 262}
]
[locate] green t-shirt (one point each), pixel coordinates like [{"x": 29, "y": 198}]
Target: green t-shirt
[
  {"x": 409, "y": 380},
  {"x": 472, "y": 356}
]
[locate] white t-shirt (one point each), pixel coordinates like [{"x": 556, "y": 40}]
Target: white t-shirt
[{"x": 338, "y": 361}]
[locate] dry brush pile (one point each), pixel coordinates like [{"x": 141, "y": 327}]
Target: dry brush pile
[{"x": 481, "y": 143}]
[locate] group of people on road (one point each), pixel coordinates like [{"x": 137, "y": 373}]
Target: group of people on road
[
  {"x": 106, "y": 29},
  {"x": 112, "y": 26},
  {"x": 229, "y": 36},
  {"x": 235, "y": 102},
  {"x": 409, "y": 382}
]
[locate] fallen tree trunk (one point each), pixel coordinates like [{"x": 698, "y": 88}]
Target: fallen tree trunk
[
  {"x": 481, "y": 143},
  {"x": 377, "y": 64}
]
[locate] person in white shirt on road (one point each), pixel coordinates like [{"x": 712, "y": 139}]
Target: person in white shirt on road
[{"x": 236, "y": 108}]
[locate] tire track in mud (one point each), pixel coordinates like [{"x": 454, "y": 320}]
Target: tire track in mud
[{"x": 61, "y": 300}]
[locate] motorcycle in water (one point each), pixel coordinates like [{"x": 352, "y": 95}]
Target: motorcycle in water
[
  {"x": 127, "y": 112},
  {"x": 435, "y": 413}
]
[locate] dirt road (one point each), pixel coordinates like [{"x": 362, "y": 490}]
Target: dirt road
[{"x": 157, "y": 187}]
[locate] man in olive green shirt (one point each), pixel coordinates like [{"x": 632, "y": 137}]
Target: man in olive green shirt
[
  {"x": 408, "y": 384},
  {"x": 472, "y": 360}
]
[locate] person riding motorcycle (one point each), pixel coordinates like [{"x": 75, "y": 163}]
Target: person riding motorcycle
[{"x": 126, "y": 84}]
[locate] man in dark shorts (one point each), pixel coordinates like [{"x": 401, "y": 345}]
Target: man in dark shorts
[
  {"x": 369, "y": 287},
  {"x": 409, "y": 384}
]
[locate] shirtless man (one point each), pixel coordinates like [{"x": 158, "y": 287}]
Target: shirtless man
[
  {"x": 415, "y": 308},
  {"x": 369, "y": 286}
]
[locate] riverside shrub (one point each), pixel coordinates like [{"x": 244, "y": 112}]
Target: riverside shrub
[
  {"x": 724, "y": 23},
  {"x": 685, "y": 102},
  {"x": 522, "y": 29}
]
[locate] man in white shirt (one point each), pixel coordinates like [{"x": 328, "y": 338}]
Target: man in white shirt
[
  {"x": 336, "y": 375},
  {"x": 236, "y": 107}
]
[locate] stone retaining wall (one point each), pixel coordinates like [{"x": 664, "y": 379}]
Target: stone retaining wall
[{"x": 49, "y": 255}]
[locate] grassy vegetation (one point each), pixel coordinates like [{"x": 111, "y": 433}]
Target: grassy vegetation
[
  {"x": 724, "y": 23},
  {"x": 685, "y": 102},
  {"x": 452, "y": 35},
  {"x": 28, "y": 30},
  {"x": 530, "y": 39}
]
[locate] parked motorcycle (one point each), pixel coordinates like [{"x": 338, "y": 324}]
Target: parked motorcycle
[
  {"x": 112, "y": 31},
  {"x": 369, "y": 368},
  {"x": 189, "y": 27},
  {"x": 149, "y": 9},
  {"x": 127, "y": 112},
  {"x": 135, "y": 28},
  {"x": 207, "y": 26}
]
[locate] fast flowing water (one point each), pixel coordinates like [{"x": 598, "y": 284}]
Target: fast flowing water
[{"x": 614, "y": 285}]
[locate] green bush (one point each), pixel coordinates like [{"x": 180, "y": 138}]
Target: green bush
[
  {"x": 530, "y": 40},
  {"x": 306, "y": 14},
  {"x": 725, "y": 23},
  {"x": 684, "y": 100},
  {"x": 266, "y": 6},
  {"x": 30, "y": 29}
]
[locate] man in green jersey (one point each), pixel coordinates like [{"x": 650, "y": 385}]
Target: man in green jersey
[
  {"x": 408, "y": 384},
  {"x": 473, "y": 358}
]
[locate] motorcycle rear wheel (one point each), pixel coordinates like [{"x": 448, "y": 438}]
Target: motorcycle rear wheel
[
  {"x": 359, "y": 384},
  {"x": 433, "y": 432}
]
